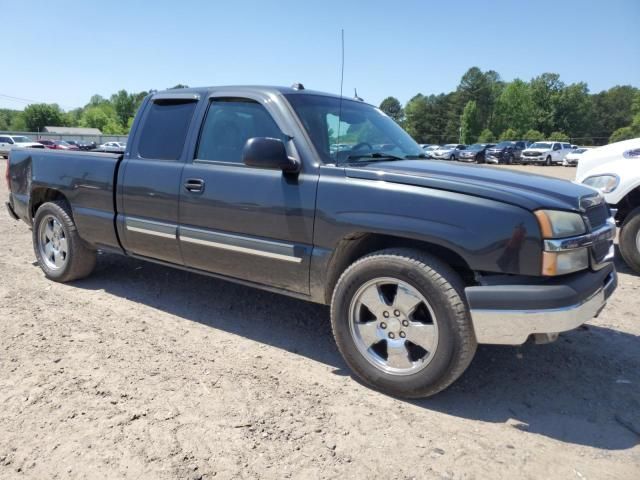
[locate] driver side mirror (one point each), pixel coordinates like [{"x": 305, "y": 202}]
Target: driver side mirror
[{"x": 269, "y": 153}]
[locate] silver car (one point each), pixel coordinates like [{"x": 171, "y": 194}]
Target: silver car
[{"x": 450, "y": 151}]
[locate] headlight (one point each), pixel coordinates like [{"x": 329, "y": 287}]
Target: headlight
[
  {"x": 605, "y": 183},
  {"x": 559, "y": 224},
  {"x": 561, "y": 263}
]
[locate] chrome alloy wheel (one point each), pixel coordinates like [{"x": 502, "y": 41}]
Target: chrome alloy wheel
[
  {"x": 638, "y": 241},
  {"x": 52, "y": 243},
  {"x": 393, "y": 326}
]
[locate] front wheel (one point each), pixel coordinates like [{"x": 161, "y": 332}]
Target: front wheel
[
  {"x": 61, "y": 253},
  {"x": 452, "y": 158},
  {"x": 401, "y": 324},
  {"x": 630, "y": 240},
  {"x": 547, "y": 162}
]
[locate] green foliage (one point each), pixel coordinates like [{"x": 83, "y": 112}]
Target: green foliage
[
  {"x": 533, "y": 135},
  {"x": 486, "y": 136},
  {"x": 514, "y": 108},
  {"x": 392, "y": 107},
  {"x": 559, "y": 137},
  {"x": 624, "y": 133},
  {"x": 39, "y": 115},
  {"x": 18, "y": 123},
  {"x": 471, "y": 125},
  {"x": 508, "y": 134}
]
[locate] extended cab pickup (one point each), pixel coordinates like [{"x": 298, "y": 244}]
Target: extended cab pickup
[{"x": 419, "y": 260}]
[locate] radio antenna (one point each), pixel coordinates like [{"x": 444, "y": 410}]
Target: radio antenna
[{"x": 340, "y": 101}]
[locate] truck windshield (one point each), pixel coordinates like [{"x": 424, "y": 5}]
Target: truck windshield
[
  {"x": 353, "y": 131},
  {"x": 541, "y": 145}
]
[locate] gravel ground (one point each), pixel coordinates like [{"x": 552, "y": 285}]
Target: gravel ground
[{"x": 146, "y": 372}]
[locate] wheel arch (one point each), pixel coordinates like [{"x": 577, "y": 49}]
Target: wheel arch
[
  {"x": 627, "y": 204},
  {"x": 357, "y": 245},
  {"x": 41, "y": 195}
]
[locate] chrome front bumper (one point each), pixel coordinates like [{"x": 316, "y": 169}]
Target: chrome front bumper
[{"x": 514, "y": 327}]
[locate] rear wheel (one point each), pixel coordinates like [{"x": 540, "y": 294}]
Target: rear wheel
[
  {"x": 401, "y": 324},
  {"x": 630, "y": 240},
  {"x": 61, "y": 253}
]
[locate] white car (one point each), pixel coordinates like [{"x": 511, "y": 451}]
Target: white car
[
  {"x": 614, "y": 170},
  {"x": 572, "y": 158},
  {"x": 114, "y": 147},
  {"x": 7, "y": 142},
  {"x": 450, "y": 151},
  {"x": 545, "y": 153}
]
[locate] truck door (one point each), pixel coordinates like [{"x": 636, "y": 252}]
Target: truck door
[
  {"x": 243, "y": 222},
  {"x": 149, "y": 178},
  {"x": 557, "y": 152}
]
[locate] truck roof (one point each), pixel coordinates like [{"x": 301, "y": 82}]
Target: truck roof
[{"x": 235, "y": 89}]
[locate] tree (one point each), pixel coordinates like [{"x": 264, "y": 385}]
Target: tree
[
  {"x": 612, "y": 110},
  {"x": 470, "y": 123},
  {"x": 392, "y": 107},
  {"x": 514, "y": 108},
  {"x": 508, "y": 134},
  {"x": 124, "y": 106},
  {"x": 559, "y": 137},
  {"x": 545, "y": 90},
  {"x": 533, "y": 135},
  {"x": 39, "y": 115},
  {"x": 486, "y": 136},
  {"x": 573, "y": 110},
  {"x": 624, "y": 133},
  {"x": 180, "y": 85}
]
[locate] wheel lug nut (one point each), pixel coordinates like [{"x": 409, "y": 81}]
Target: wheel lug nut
[
  {"x": 383, "y": 325},
  {"x": 402, "y": 335},
  {"x": 385, "y": 314},
  {"x": 405, "y": 323},
  {"x": 397, "y": 313},
  {"x": 391, "y": 335}
]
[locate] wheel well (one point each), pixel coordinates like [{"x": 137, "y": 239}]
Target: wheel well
[
  {"x": 358, "y": 245},
  {"x": 44, "y": 195},
  {"x": 629, "y": 202}
]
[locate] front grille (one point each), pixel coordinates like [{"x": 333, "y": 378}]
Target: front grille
[
  {"x": 530, "y": 154},
  {"x": 597, "y": 215}
]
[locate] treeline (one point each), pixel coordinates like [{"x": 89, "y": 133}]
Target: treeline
[
  {"x": 112, "y": 115},
  {"x": 485, "y": 108}
]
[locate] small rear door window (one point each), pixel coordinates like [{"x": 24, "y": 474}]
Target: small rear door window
[{"x": 165, "y": 129}]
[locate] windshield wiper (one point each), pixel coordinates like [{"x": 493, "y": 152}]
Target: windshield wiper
[{"x": 375, "y": 156}]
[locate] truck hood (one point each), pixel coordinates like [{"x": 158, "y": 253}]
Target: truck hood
[
  {"x": 525, "y": 190},
  {"x": 537, "y": 150}
]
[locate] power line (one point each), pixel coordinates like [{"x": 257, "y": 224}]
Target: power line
[{"x": 25, "y": 100}]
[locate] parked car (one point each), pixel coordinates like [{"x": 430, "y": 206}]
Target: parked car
[
  {"x": 7, "y": 142},
  {"x": 613, "y": 171},
  {"x": 546, "y": 153},
  {"x": 428, "y": 151},
  {"x": 64, "y": 145},
  {"x": 572, "y": 158},
  {"x": 450, "y": 151},
  {"x": 419, "y": 261},
  {"x": 86, "y": 145},
  {"x": 112, "y": 147},
  {"x": 475, "y": 152},
  {"x": 508, "y": 152}
]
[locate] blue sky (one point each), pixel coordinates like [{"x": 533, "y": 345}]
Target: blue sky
[{"x": 65, "y": 51}]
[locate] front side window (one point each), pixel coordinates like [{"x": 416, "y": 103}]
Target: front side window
[
  {"x": 351, "y": 131},
  {"x": 230, "y": 122},
  {"x": 165, "y": 130}
]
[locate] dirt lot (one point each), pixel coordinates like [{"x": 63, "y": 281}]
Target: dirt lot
[{"x": 146, "y": 372}]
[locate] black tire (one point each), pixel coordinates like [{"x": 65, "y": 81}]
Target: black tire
[
  {"x": 628, "y": 240},
  {"x": 547, "y": 161},
  {"x": 478, "y": 159},
  {"x": 444, "y": 290},
  {"x": 510, "y": 159},
  {"x": 80, "y": 260},
  {"x": 452, "y": 158}
]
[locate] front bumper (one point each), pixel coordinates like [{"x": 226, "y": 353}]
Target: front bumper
[{"x": 508, "y": 311}]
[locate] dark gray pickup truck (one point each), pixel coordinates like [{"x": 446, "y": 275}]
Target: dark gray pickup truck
[{"x": 329, "y": 200}]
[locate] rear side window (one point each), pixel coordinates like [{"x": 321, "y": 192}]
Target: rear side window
[
  {"x": 165, "y": 130},
  {"x": 228, "y": 126}
]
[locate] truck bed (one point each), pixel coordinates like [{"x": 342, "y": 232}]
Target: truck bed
[{"x": 87, "y": 181}]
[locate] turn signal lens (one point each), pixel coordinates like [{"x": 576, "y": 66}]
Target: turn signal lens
[{"x": 561, "y": 263}]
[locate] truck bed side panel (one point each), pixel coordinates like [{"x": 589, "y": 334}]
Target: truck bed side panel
[{"x": 86, "y": 180}]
